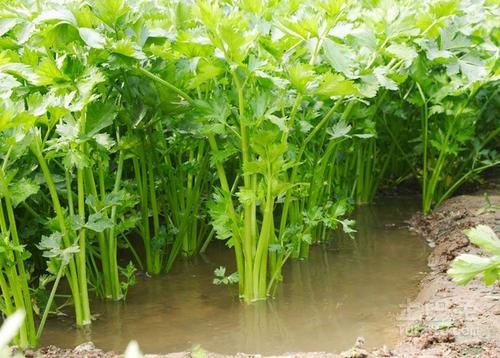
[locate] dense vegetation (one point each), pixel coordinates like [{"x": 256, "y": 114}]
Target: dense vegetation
[{"x": 153, "y": 126}]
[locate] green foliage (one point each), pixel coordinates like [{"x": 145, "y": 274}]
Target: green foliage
[
  {"x": 467, "y": 266},
  {"x": 222, "y": 279},
  {"x": 260, "y": 123},
  {"x": 128, "y": 272}
]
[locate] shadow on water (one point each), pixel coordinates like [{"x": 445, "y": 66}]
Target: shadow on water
[{"x": 347, "y": 288}]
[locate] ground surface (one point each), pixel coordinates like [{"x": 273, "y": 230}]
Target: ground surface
[{"x": 443, "y": 321}]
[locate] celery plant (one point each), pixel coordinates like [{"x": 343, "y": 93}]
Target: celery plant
[
  {"x": 449, "y": 112},
  {"x": 258, "y": 122},
  {"x": 14, "y": 277}
]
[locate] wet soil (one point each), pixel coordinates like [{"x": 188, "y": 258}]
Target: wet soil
[
  {"x": 448, "y": 320},
  {"x": 444, "y": 320}
]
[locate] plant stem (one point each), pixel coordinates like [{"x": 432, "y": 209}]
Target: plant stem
[
  {"x": 72, "y": 276},
  {"x": 49, "y": 302}
]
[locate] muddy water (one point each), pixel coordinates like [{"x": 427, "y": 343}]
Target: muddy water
[{"x": 347, "y": 288}]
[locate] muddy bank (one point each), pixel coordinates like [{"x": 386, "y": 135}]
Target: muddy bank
[{"x": 443, "y": 320}]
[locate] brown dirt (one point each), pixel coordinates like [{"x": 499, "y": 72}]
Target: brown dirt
[{"x": 444, "y": 320}]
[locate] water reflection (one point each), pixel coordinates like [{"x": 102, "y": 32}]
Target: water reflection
[{"x": 347, "y": 288}]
